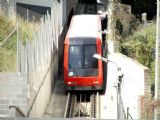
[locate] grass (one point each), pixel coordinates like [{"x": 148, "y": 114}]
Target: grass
[
  {"x": 8, "y": 56},
  {"x": 8, "y": 52},
  {"x": 6, "y": 27}
]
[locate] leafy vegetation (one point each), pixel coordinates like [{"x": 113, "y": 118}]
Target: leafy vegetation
[
  {"x": 5, "y": 27},
  {"x": 8, "y": 56},
  {"x": 138, "y": 42},
  {"x": 8, "y": 52},
  {"x": 27, "y": 29},
  {"x": 141, "y": 45}
]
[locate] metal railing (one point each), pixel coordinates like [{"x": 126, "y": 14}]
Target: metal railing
[
  {"x": 128, "y": 114},
  {"x": 15, "y": 111},
  {"x": 7, "y": 38}
]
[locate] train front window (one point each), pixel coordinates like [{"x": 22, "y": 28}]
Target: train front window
[
  {"x": 81, "y": 61},
  {"x": 89, "y": 61},
  {"x": 75, "y": 57}
]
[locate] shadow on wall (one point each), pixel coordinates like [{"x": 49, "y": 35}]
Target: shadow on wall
[
  {"x": 61, "y": 45},
  {"x": 70, "y": 12}
]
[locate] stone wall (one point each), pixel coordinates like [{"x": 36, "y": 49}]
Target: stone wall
[{"x": 13, "y": 91}]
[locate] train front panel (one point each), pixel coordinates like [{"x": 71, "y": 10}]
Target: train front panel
[{"x": 81, "y": 70}]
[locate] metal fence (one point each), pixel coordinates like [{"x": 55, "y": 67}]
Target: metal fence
[
  {"x": 7, "y": 38},
  {"x": 39, "y": 55},
  {"x": 35, "y": 55}
]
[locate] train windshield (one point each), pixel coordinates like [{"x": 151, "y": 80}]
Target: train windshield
[{"x": 81, "y": 61}]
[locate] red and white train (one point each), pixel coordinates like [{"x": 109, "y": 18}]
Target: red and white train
[{"x": 83, "y": 40}]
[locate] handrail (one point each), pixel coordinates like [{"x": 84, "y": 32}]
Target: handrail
[
  {"x": 121, "y": 102},
  {"x": 18, "y": 109},
  {"x": 128, "y": 114},
  {"x": 44, "y": 79},
  {"x": 7, "y": 38}
]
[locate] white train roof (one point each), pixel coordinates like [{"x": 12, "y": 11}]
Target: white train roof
[{"x": 85, "y": 26}]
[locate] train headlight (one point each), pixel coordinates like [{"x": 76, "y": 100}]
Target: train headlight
[
  {"x": 70, "y": 74},
  {"x": 96, "y": 82},
  {"x": 69, "y": 83},
  {"x": 72, "y": 83}
]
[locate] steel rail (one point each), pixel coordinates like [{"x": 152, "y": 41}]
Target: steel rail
[
  {"x": 76, "y": 106},
  {"x": 97, "y": 106}
]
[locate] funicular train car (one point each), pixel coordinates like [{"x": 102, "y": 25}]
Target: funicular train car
[{"x": 83, "y": 40}]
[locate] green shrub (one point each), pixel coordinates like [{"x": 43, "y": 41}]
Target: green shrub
[
  {"x": 8, "y": 56},
  {"x": 8, "y": 52},
  {"x": 6, "y": 27},
  {"x": 141, "y": 45}
]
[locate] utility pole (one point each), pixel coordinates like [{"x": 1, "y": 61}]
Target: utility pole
[{"x": 157, "y": 82}]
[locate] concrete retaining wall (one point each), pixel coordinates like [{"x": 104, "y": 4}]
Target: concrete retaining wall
[
  {"x": 135, "y": 83},
  {"x": 13, "y": 91},
  {"x": 40, "y": 63},
  {"x": 39, "y": 99}
]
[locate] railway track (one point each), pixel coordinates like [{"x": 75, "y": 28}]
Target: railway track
[{"x": 82, "y": 105}]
